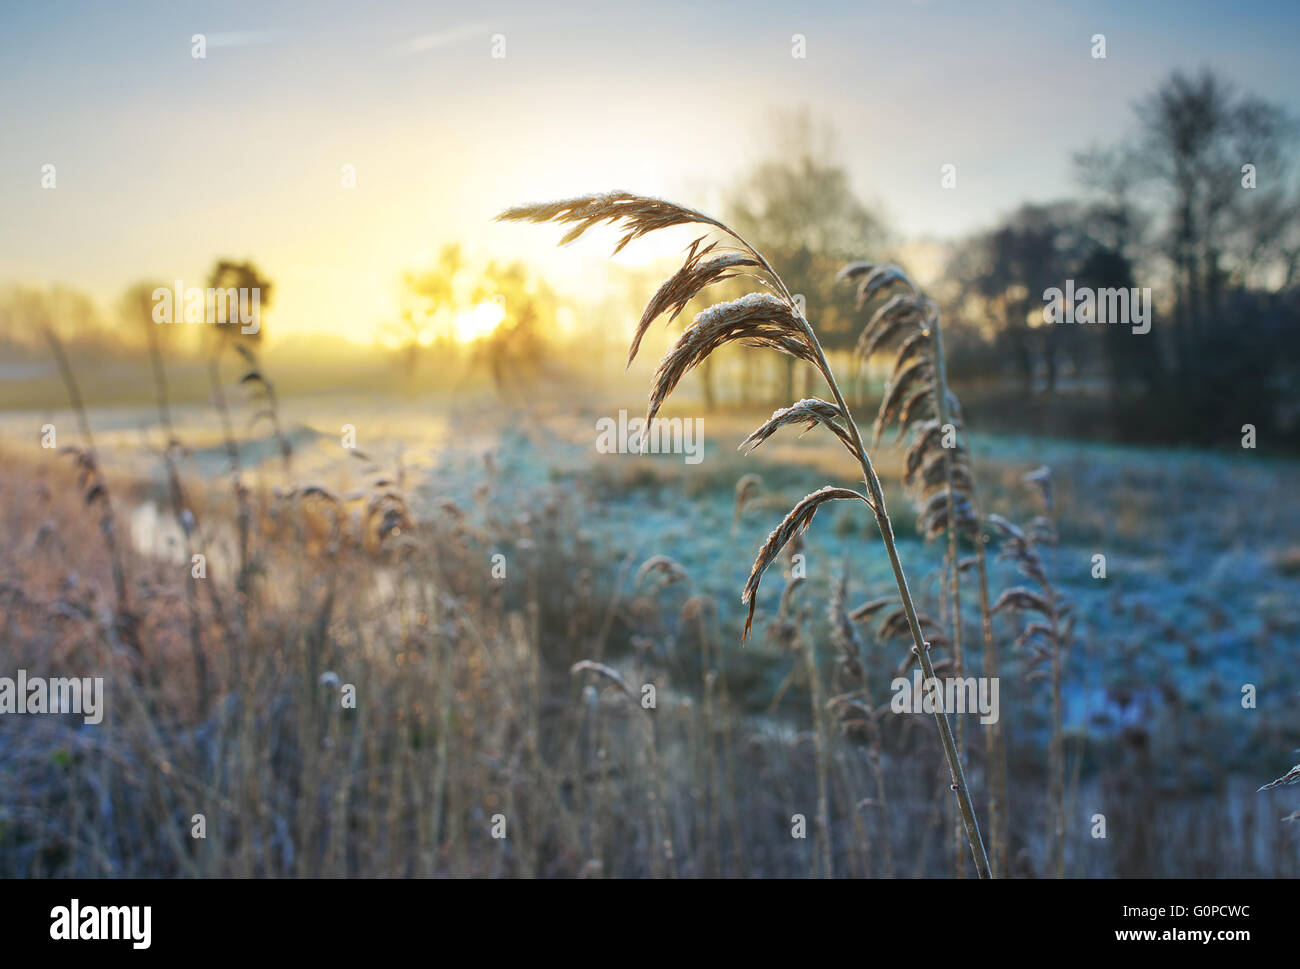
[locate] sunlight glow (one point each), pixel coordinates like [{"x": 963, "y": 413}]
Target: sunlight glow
[{"x": 479, "y": 321}]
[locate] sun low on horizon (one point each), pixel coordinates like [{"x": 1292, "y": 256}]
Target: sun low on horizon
[{"x": 341, "y": 151}]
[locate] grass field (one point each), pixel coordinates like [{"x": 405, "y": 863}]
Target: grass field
[{"x": 467, "y": 714}]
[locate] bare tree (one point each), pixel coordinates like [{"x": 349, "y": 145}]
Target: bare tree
[{"x": 799, "y": 207}]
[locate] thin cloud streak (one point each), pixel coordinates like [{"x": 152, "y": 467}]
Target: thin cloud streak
[
  {"x": 446, "y": 38},
  {"x": 247, "y": 38}
]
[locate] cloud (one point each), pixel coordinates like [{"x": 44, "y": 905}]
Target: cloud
[
  {"x": 246, "y": 38},
  {"x": 446, "y": 38}
]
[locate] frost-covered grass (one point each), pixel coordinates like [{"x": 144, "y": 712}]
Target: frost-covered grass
[{"x": 1201, "y": 598}]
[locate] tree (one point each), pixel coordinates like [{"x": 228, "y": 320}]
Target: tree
[
  {"x": 799, "y": 207},
  {"x": 513, "y": 315},
  {"x": 515, "y": 349},
  {"x": 1217, "y": 165},
  {"x": 26, "y": 312},
  {"x": 1008, "y": 269},
  {"x": 1217, "y": 237},
  {"x": 252, "y": 293},
  {"x": 424, "y": 294}
]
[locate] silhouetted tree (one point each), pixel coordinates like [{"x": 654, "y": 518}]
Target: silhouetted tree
[
  {"x": 245, "y": 280},
  {"x": 1008, "y": 268},
  {"x": 1197, "y": 137},
  {"x": 424, "y": 294},
  {"x": 800, "y": 209}
]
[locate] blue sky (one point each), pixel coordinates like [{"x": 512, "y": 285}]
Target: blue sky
[{"x": 165, "y": 162}]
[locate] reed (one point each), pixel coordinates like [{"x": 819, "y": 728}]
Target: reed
[
  {"x": 184, "y": 515},
  {"x": 124, "y": 628},
  {"x": 1047, "y": 638},
  {"x": 769, "y": 319},
  {"x": 938, "y": 472}
]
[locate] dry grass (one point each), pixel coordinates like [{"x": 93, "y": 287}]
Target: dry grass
[
  {"x": 1046, "y": 639},
  {"x": 937, "y": 474},
  {"x": 771, "y": 320},
  {"x": 467, "y": 708},
  {"x": 524, "y": 697}
]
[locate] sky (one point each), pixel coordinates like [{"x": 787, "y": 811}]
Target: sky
[{"x": 165, "y": 162}]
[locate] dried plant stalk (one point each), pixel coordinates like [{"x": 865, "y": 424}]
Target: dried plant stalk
[
  {"x": 766, "y": 319},
  {"x": 125, "y": 625},
  {"x": 845, "y": 637},
  {"x": 936, "y": 470},
  {"x": 1047, "y": 639},
  {"x": 1290, "y": 777},
  {"x": 184, "y": 518}
]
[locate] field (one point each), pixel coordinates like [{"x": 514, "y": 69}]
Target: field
[{"x": 385, "y": 681}]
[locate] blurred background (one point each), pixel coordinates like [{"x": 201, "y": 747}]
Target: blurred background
[{"x": 393, "y": 480}]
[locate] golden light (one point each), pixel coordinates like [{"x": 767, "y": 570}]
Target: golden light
[{"x": 478, "y": 322}]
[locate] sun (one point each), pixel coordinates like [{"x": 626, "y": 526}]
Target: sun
[{"x": 479, "y": 321}]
